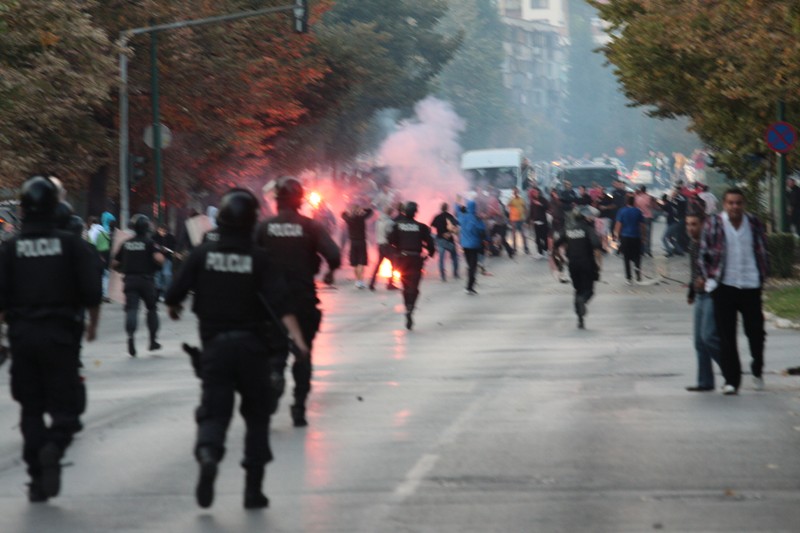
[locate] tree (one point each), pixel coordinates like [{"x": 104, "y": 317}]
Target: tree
[
  {"x": 56, "y": 68},
  {"x": 724, "y": 64}
]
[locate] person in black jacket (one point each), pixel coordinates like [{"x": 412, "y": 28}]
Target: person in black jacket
[
  {"x": 296, "y": 244},
  {"x": 48, "y": 279},
  {"x": 537, "y": 216},
  {"x": 237, "y": 291},
  {"x": 409, "y": 237},
  {"x": 582, "y": 241},
  {"x": 139, "y": 259}
]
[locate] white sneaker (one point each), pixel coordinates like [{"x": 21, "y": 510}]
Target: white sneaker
[
  {"x": 758, "y": 383},
  {"x": 729, "y": 390}
]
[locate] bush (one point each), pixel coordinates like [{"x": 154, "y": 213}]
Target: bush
[{"x": 781, "y": 254}]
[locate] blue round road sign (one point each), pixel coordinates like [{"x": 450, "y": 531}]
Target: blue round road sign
[{"x": 781, "y": 137}]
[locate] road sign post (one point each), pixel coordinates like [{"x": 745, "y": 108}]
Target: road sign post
[{"x": 781, "y": 138}]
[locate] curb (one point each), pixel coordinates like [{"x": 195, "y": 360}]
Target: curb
[{"x": 781, "y": 323}]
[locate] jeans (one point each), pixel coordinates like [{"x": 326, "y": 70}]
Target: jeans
[
  {"x": 164, "y": 277},
  {"x": 518, "y": 226},
  {"x": 442, "y": 246},
  {"x": 706, "y": 340},
  {"x": 646, "y": 238},
  {"x": 670, "y": 240}
]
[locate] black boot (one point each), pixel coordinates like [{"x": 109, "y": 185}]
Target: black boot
[
  {"x": 253, "y": 496},
  {"x": 131, "y": 347},
  {"x": 298, "y": 412},
  {"x": 36, "y": 491},
  {"x": 50, "y": 462},
  {"x": 154, "y": 345},
  {"x": 208, "y": 474}
]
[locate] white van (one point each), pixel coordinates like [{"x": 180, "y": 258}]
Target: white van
[{"x": 501, "y": 168}]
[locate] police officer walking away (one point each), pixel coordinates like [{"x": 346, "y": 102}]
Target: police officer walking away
[
  {"x": 139, "y": 259},
  {"x": 233, "y": 283},
  {"x": 408, "y": 238},
  {"x": 582, "y": 241},
  {"x": 295, "y": 243},
  {"x": 48, "y": 277}
]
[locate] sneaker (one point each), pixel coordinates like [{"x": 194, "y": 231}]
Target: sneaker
[
  {"x": 409, "y": 322},
  {"x": 581, "y": 325},
  {"x": 758, "y": 382},
  {"x": 563, "y": 278},
  {"x": 470, "y": 292},
  {"x": 580, "y": 305},
  {"x": 208, "y": 474},
  {"x": 131, "y": 347},
  {"x": 298, "y": 413},
  {"x": 729, "y": 390},
  {"x": 154, "y": 345},
  {"x": 372, "y": 287},
  {"x": 50, "y": 462},
  {"x": 392, "y": 288},
  {"x": 628, "y": 282}
]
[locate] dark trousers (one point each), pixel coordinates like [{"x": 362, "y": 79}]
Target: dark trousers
[
  {"x": 498, "y": 236},
  {"x": 632, "y": 253},
  {"x": 45, "y": 379},
  {"x": 410, "y": 267},
  {"x": 540, "y": 232},
  {"x": 140, "y": 288},
  {"x": 728, "y": 303},
  {"x": 583, "y": 276},
  {"x": 234, "y": 362},
  {"x": 385, "y": 251},
  {"x": 309, "y": 319},
  {"x": 471, "y": 256}
]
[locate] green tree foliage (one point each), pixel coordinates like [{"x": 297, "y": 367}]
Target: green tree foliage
[
  {"x": 472, "y": 81},
  {"x": 724, "y": 64},
  {"x": 56, "y": 68}
]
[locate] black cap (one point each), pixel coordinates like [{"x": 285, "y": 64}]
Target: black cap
[
  {"x": 39, "y": 197},
  {"x": 238, "y": 210}
]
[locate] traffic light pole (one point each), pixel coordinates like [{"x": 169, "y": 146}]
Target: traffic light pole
[
  {"x": 783, "y": 220},
  {"x": 156, "y": 124},
  {"x": 300, "y": 11}
]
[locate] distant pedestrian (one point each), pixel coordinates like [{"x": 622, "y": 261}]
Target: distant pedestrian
[
  {"x": 383, "y": 226},
  {"x": 537, "y": 216},
  {"x": 410, "y": 239},
  {"x": 356, "y": 220},
  {"x": 138, "y": 259},
  {"x": 794, "y": 205},
  {"x": 628, "y": 230},
  {"x": 706, "y": 340},
  {"x": 581, "y": 243},
  {"x": 517, "y": 213},
  {"x": 473, "y": 236},
  {"x": 734, "y": 264},
  {"x": 446, "y": 227},
  {"x": 645, "y": 203}
]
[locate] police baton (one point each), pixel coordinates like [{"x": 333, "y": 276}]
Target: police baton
[{"x": 293, "y": 348}]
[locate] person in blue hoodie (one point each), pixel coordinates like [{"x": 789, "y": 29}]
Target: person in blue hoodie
[{"x": 473, "y": 235}]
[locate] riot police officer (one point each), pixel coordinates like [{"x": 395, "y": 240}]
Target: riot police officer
[
  {"x": 408, "y": 238},
  {"x": 295, "y": 243},
  {"x": 233, "y": 283},
  {"x": 139, "y": 259},
  {"x": 582, "y": 242},
  {"x": 48, "y": 277}
]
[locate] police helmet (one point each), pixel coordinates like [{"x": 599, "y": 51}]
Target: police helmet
[
  {"x": 289, "y": 192},
  {"x": 74, "y": 225},
  {"x": 140, "y": 224},
  {"x": 238, "y": 210},
  {"x": 411, "y": 209},
  {"x": 39, "y": 197},
  {"x": 62, "y": 214}
]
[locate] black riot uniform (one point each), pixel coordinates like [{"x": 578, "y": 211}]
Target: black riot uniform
[
  {"x": 48, "y": 277},
  {"x": 138, "y": 265},
  {"x": 295, "y": 243},
  {"x": 582, "y": 241},
  {"x": 233, "y": 282},
  {"x": 408, "y": 237}
]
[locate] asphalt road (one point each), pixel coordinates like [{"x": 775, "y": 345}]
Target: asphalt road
[{"x": 495, "y": 415}]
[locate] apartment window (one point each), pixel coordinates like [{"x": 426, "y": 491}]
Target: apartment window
[{"x": 540, "y": 4}]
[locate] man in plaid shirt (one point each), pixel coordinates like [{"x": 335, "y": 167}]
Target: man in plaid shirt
[{"x": 734, "y": 264}]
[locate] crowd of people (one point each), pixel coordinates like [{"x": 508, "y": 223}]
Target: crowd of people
[{"x": 255, "y": 294}]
